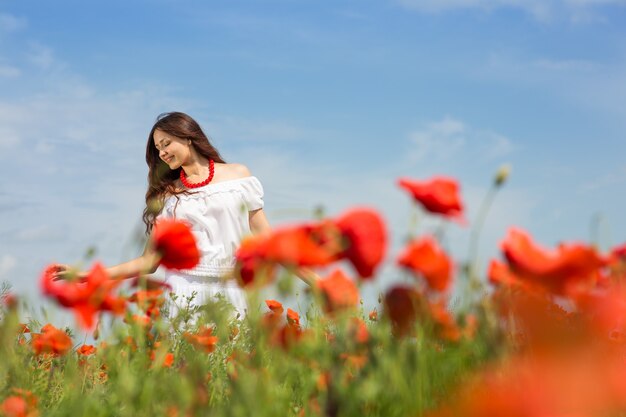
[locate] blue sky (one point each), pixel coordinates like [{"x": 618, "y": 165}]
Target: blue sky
[{"x": 327, "y": 102}]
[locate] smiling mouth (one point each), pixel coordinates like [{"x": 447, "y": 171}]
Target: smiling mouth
[{"x": 169, "y": 159}]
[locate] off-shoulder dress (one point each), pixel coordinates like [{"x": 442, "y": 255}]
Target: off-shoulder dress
[{"x": 219, "y": 217}]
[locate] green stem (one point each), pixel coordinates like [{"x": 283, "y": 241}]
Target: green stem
[{"x": 474, "y": 281}]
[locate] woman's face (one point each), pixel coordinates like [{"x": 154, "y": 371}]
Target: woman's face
[{"x": 172, "y": 150}]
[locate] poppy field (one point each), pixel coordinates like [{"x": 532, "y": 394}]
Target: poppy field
[{"x": 542, "y": 334}]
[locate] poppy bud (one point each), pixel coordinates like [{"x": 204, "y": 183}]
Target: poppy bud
[{"x": 502, "y": 174}]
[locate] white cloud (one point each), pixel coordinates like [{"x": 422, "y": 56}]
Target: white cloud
[
  {"x": 8, "y": 136},
  {"x": 41, "y": 55},
  {"x": 567, "y": 65},
  {"x": 8, "y": 71},
  {"x": 542, "y": 10},
  {"x": 447, "y": 138},
  {"x": 257, "y": 130},
  {"x": 611, "y": 179},
  {"x": 594, "y": 86},
  {"x": 438, "y": 140},
  {"x": 7, "y": 264},
  {"x": 39, "y": 233},
  {"x": 10, "y": 23},
  {"x": 595, "y": 2}
]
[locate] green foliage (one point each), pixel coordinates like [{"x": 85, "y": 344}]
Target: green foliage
[{"x": 326, "y": 371}]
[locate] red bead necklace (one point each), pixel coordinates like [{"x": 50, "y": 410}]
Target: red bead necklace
[{"x": 187, "y": 184}]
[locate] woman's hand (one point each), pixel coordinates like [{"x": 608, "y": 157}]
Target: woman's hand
[{"x": 66, "y": 272}]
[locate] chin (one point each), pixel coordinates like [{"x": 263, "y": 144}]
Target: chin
[{"x": 172, "y": 165}]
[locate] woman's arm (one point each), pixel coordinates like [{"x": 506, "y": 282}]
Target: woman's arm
[
  {"x": 147, "y": 263},
  {"x": 259, "y": 225}
]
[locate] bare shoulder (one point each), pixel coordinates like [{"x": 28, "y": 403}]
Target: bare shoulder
[
  {"x": 235, "y": 171},
  {"x": 226, "y": 172}
]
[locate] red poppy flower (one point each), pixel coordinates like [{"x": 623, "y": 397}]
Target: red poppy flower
[
  {"x": 296, "y": 246},
  {"x": 176, "y": 243},
  {"x": 293, "y": 318},
  {"x": 364, "y": 231},
  {"x": 9, "y": 300},
  {"x": 402, "y": 304},
  {"x": 373, "y": 315},
  {"x": 275, "y": 306},
  {"x": 168, "y": 359},
  {"x": 290, "y": 246},
  {"x": 439, "y": 195},
  {"x": 617, "y": 262},
  {"x": 51, "y": 340},
  {"x": 286, "y": 336},
  {"x": 499, "y": 273},
  {"x": 86, "y": 298},
  {"x": 569, "y": 384},
  {"x": 619, "y": 252},
  {"x": 353, "y": 362},
  {"x": 17, "y": 406},
  {"x": 86, "y": 350},
  {"x": 425, "y": 258},
  {"x": 571, "y": 267},
  {"x": 22, "y": 403},
  {"x": 149, "y": 301},
  {"x": 606, "y": 309},
  {"x": 339, "y": 292},
  {"x": 141, "y": 320},
  {"x": 204, "y": 339},
  {"x": 445, "y": 324},
  {"x": 357, "y": 329},
  {"x": 251, "y": 266},
  {"x": 358, "y": 236}
]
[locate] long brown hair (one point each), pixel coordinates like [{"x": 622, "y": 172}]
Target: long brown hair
[{"x": 161, "y": 179}]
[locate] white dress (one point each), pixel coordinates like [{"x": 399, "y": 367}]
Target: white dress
[{"x": 218, "y": 215}]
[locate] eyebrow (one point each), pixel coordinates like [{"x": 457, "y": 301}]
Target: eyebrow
[{"x": 156, "y": 145}]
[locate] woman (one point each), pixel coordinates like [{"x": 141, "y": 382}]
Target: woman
[{"x": 188, "y": 179}]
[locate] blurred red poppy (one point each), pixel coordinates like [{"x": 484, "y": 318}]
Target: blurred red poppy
[
  {"x": 445, "y": 324},
  {"x": 274, "y": 306},
  {"x": 570, "y": 268},
  {"x": 149, "y": 301},
  {"x": 439, "y": 195},
  {"x": 203, "y": 339},
  {"x": 293, "y": 318},
  {"x": 9, "y": 300},
  {"x": 357, "y": 329},
  {"x": 168, "y": 359},
  {"x": 296, "y": 246},
  {"x": 425, "y": 258},
  {"x": 176, "y": 244},
  {"x": 365, "y": 235},
  {"x": 339, "y": 292},
  {"x": 402, "y": 304},
  {"x": 22, "y": 405},
  {"x": 576, "y": 384},
  {"x": 287, "y": 336},
  {"x": 86, "y": 298},
  {"x": 86, "y": 350},
  {"x": 51, "y": 340},
  {"x": 289, "y": 246},
  {"x": 358, "y": 236},
  {"x": 251, "y": 266}
]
